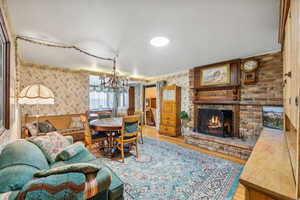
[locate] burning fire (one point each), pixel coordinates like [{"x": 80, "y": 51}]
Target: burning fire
[{"x": 214, "y": 122}]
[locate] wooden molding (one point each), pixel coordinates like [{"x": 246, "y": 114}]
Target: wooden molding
[{"x": 6, "y": 74}]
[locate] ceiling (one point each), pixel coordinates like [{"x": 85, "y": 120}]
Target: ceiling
[{"x": 200, "y": 32}]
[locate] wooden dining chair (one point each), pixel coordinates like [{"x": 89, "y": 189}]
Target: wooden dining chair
[
  {"x": 129, "y": 133},
  {"x": 141, "y": 114},
  {"x": 87, "y": 132},
  {"x": 90, "y": 138}
]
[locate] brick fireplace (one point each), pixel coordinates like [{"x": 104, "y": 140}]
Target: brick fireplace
[
  {"x": 267, "y": 91},
  {"x": 217, "y": 102},
  {"x": 246, "y": 101}
]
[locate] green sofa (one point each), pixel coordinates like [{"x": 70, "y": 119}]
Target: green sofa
[{"x": 21, "y": 159}]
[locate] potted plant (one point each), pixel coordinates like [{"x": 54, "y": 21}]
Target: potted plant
[{"x": 183, "y": 115}]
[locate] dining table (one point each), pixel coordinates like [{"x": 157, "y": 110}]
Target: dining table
[{"x": 111, "y": 127}]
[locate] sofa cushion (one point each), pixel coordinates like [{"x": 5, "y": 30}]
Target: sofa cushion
[
  {"x": 62, "y": 186},
  {"x": 69, "y": 138},
  {"x": 131, "y": 127},
  {"x": 46, "y": 127},
  {"x": 70, "y": 151},
  {"x": 15, "y": 177},
  {"x": 51, "y": 144},
  {"x": 84, "y": 156},
  {"x": 24, "y": 153},
  {"x": 85, "y": 168}
]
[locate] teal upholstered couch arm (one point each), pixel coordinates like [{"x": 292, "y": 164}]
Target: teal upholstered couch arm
[{"x": 62, "y": 186}]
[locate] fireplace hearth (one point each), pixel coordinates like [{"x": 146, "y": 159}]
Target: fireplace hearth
[{"x": 215, "y": 122}]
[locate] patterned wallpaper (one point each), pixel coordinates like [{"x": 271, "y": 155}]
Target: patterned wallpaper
[
  {"x": 180, "y": 79},
  {"x": 71, "y": 89}
]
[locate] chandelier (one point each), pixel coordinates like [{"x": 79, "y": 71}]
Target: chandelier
[{"x": 114, "y": 81}]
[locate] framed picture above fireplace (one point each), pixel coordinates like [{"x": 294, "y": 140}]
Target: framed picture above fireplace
[
  {"x": 215, "y": 75},
  {"x": 218, "y": 75}
]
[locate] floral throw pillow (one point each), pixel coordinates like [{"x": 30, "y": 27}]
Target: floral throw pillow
[
  {"x": 70, "y": 151},
  {"x": 51, "y": 144}
]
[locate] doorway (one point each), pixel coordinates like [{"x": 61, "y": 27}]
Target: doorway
[{"x": 150, "y": 105}]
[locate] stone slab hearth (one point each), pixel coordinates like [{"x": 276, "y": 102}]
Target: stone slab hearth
[{"x": 229, "y": 146}]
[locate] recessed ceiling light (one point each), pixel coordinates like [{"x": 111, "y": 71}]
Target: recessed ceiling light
[{"x": 159, "y": 41}]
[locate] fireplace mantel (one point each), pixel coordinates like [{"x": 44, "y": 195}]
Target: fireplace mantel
[{"x": 217, "y": 102}]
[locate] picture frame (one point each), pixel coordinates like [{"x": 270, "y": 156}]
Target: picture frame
[
  {"x": 4, "y": 76},
  {"x": 272, "y": 117},
  {"x": 215, "y": 75}
]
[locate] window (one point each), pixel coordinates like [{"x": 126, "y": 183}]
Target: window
[{"x": 101, "y": 99}]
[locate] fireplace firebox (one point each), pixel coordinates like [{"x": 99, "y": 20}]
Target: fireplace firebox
[{"x": 215, "y": 122}]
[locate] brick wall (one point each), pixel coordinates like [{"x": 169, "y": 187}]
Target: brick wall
[{"x": 267, "y": 91}]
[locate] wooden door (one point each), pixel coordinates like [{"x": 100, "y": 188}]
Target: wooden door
[{"x": 131, "y": 100}]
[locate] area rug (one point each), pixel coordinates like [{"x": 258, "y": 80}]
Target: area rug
[{"x": 166, "y": 171}]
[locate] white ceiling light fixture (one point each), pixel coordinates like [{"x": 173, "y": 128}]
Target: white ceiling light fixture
[{"x": 159, "y": 41}]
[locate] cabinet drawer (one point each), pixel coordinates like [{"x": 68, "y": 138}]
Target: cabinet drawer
[
  {"x": 168, "y": 130},
  {"x": 168, "y": 107},
  {"x": 168, "y": 117},
  {"x": 168, "y": 122}
]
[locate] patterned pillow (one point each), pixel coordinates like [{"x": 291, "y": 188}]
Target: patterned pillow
[
  {"x": 51, "y": 144},
  {"x": 33, "y": 128},
  {"x": 76, "y": 123},
  {"x": 46, "y": 127},
  {"x": 70, "y": 151},
  {"x": 85, "y": 168}
]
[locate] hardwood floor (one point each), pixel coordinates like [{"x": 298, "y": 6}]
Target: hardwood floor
[{"x": 152, "y": 132}]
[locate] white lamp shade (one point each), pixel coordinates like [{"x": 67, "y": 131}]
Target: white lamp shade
[{"x": 36, "y": 94}]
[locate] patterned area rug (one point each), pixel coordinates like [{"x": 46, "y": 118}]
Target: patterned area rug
[{"x": 166, "y": 171}]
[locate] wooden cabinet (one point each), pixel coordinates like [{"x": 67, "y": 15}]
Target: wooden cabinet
[
  {"x": 170, "y": 107},
  {"x": 291, "y": 60},
  {"x": 290, "y": 33}
]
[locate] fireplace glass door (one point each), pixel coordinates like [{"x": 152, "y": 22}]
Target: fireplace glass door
[{"x": 215, "y": 122}]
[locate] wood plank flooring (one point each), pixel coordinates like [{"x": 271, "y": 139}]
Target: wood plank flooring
[{"x": 152, "y": 132}]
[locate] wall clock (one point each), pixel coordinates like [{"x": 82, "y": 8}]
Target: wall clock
[{"x": 249, "y": 67}]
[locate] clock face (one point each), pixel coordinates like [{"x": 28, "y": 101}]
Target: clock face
[{"x": 250, "y": 65}]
